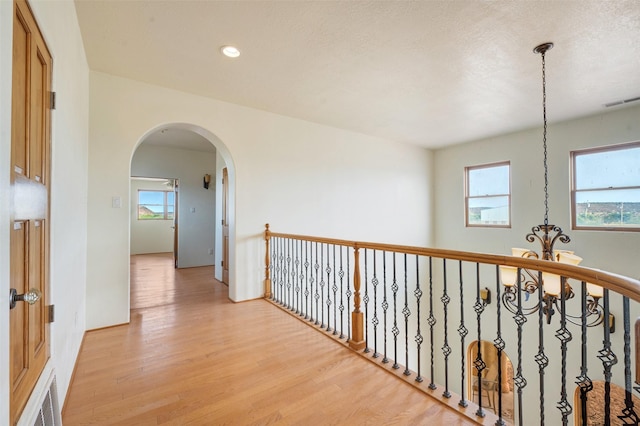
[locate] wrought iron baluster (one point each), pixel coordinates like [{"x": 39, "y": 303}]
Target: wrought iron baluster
[
  {"x": 584, "y": 382},
  {"x": 520, "y": 319},
  {"x": 564, "y": 335},
  {"x": 349, "y": 293},
  {"x": 341, "y": 307},
  {"x": 395, "y": 330},
  {"x": 297, "y": 278},
  {"x": 277, "y": 282},
  {"x": 479, "y": 363},
  {"x": 316, "y": 295},
  {"x": 328, "y": 301},
  {"x": 288, "y": 304},
  {"x": 432, "y": 322},
  {"x": 406, "y": 312},
  {"x": 629, "y": 415},
  {"x": 499, "y": 344},
  {"x": 446, "y": 349},
  {"x": 322, "y": 284},
  {"x": 418, "y": 339},
  {"x": 306, "y": 279},
  {"x": 335, "y": 290},
  {"x": 375, "y": 321},
  {"x": 282, "y": 278},
  {"x": 283, "y": 266},
  {"x": 541, "y": 358},
  {"x": 608, "y": 358},
  {"x": 273, "y": 266},
  {"x": 462, "y": 331},
  {"x": 385, "y": 304},
  {"x": 365, "y": 299}
]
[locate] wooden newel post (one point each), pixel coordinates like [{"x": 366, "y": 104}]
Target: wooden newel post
[
  {"x": 357, "y": 318},
  {"x": 267, "y": 279}
]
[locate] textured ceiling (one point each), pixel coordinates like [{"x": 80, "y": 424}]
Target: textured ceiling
[{"x": 431, "y": 73}]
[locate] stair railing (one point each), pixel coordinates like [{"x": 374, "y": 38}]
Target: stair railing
[{"x": 404, "y": 307}]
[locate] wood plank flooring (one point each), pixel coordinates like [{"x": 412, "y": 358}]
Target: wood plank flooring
[{"x": 192, "y": 357}]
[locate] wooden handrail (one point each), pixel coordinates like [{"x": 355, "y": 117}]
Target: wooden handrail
[
  {"x": 620, "y": 284},
  {"x": 297, "y": 268}
]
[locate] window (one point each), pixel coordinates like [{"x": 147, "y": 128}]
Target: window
[
  {"x": 155, "y": 205},
  {"x": 488, "y": 195},
  {"x": 605, "y": 189}
]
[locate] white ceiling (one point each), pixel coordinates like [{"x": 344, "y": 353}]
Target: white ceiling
[{"x": 430, "y": 73}]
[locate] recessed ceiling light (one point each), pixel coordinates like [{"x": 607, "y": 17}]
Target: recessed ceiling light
[{"x": 230, "y": 51}]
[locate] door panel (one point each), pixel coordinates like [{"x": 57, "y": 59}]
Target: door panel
[
  {"x": 38, "y": 111},
  {"x": 20, "y": 88},
  {"x": 37, "y": 324},
  {"x": 29, "y": 241},
  {"x": 17, "y": 315},
  {"x": 225, "y": 226}
]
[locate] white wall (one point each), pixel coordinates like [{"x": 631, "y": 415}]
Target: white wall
[
  {"x": 59, "y": 25},
  {"x": 149, "y": 236},
  {"x": 196, "y": 205},
  {"x": 612, "y": 251},
  {"x": 298, "y": 176}
]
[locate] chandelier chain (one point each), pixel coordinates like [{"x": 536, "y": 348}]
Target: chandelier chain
[{"x": 544, "y": 141}]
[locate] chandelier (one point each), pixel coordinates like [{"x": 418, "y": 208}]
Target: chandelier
[{"x": 554, "y": 287}]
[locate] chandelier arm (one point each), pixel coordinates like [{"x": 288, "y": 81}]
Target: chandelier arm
[
  {"x": 564, "y": 238},
  {"x": 531, "y": 283},
  {"x": 509, "y": 298},
  {"x": 595, "y": 313},
  {"x": 533, "y": 235},
  {"x": 530, "y": 286}
]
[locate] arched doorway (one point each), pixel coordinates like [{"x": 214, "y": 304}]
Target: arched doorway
[
  {"x": 189, "y": 156},
  {"x": 496, "y": 383}
]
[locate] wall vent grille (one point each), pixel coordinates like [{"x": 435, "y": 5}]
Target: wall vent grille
[{"x": 49, "y": 413}]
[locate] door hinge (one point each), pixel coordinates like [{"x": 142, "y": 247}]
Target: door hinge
[
  {"x": 222, "y": 263},
  {"x": 50, "y": 313},
  {"x": 52, "y": 100}
]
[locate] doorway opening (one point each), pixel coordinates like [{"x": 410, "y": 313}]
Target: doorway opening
[
  {"x": 193, "y": 160},
  {"x": 496, "y": 382}
]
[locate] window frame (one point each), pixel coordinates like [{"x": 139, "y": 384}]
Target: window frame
[
  {"x": 165, "y": 213},
  {"x": 574, "y": 218},
  {"x": 467, "y": 197}
]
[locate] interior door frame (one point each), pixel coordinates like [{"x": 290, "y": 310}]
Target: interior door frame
[
  {"x": 176, "y": 185},
  {"x": 225, "y": 226}
]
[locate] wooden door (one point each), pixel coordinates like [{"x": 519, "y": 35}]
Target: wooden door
[
  {"x": 175, "y": 223},
  {"x": 225, "y": 226},
  {"x": 29, "y": 240}
]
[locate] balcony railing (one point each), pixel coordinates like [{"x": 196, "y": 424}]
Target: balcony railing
[{"x": 444, "y": 321}]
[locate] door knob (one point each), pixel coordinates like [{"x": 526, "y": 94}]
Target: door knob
[{"x": 31, "y": 297}]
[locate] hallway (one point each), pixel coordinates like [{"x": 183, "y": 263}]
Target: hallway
[{"x": 191, "y": 356}]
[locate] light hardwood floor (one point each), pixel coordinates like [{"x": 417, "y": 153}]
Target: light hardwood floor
[{"x": 191, "y": 356}]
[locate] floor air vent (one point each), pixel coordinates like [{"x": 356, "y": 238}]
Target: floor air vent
[
  {"x": 49, "y": 412},
  {"x": 43, "y": 407}
]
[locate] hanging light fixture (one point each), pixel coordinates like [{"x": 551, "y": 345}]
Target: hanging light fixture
[{"x": 547, "y": 235}]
